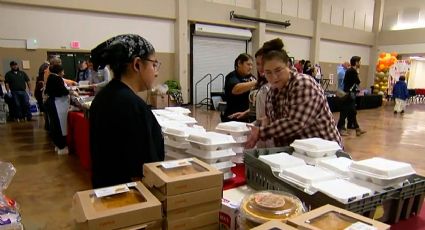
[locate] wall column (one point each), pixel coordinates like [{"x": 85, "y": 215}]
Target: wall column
[
  {"x": 315, "y": 40},
  {"x": 376, "y": 28},
  {"x": 181, "y": 48}
]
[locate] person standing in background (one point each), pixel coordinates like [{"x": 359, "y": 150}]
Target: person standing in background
[
  {"x": 308, "y": 68},
  {"x": 300, "y": 66},
  {"x": 341, "y": 74},
  {"x": 17, "y": 83},
  {"x": 83, "y": 72},
  {"x": 401, "y": 94}
]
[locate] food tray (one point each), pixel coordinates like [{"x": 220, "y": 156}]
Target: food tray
[
  {"x": 234, "y": 128},
  {"x": 211, "y": 141},
  {"x": 315, "y": 147},
  {"x": 311, "y": 160},
  {"x": 280, "y": 161},
  {"x": 212, "y": 156},
  {"x": 180, "y": 110},
  {"x": 342, "y": 190},
  {"x": 259, "y": 176},
  {"x": 306, "y": 175},
  {"x": 340, "y": 166},
  {"x": 224, "y": 166}
]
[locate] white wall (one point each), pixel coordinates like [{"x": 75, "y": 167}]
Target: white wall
[
  {"x": 406, "y": 14},
  {"x": 294, "y": 8},
  {"x": 296, "y": 46},
  {"x": 239, "y": 3},
  {"x": 352, "y": 14},
  {"x": 404, "y": 49},
  {"x": 338, "y": 52},
  {"x": 87, "y": 27}
]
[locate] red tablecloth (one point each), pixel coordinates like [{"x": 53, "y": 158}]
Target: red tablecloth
[
  {"x": 237, "y": 181},
  {"x": 78, "y": 137}
]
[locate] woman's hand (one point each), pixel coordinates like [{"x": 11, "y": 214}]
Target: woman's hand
[
  {"x": 238, "y": 115},
  {"x": 253, "y": 137}
]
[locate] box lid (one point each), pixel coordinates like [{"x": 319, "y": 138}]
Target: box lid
[
  {"x": 233, "y": 127},
  {"x": 342, "y": 190},
  {"x": 182, "y": 131},
  {"x": 181, "y": 176},
  {"x": 132, "y": 207},
  {"x": 316, "y": 147},
  {"x": 304, "y": 221},
  {"x": 211, "y": 138},
  {"x": 280, "y": 161},
  {"x": 382, "y": 168},
  {"x": 304, "y": 176},
  {"x": 340, "y": 165},
  {"x": 178, "y": 110}
]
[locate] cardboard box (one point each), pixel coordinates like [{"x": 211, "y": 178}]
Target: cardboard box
[
  {"x": 156, "y": 225},
  {"x": 189, "y": 199},
  {"x": 274, "y": 225},
  {"x": 181, "y": 176},
  {"x": 116, "y": 207},
  {"x": 187, "y": 212},
  {"x": 159, "y": 101},
  {"x": 203, "y": 220},
  {"x": 230, "y": 203},
  {"x": 310, "y": 220}
]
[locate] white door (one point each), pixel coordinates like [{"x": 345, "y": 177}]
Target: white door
[{"x": 213, "y": 56}]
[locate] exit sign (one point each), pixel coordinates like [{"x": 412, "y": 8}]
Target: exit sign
[{"x": 75, "y": 44}]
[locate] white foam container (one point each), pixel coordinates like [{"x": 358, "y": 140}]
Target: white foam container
[
  {"x": 342, "y": 190},
  {"x": 234, "y": 128},
  {"x": 224, "y": 166},
  {"x": 312, "y": 160},
  {"x": 280, "y": 161},
  {"x": 340, "y": 166},
  {"x": 211, "y": 141},
  {"x": 306, "y": 175},
  {"x": 161, "y": 112},
  {"x": 315, "y": 147},
  {"x": 238, "y": 149},
  {"x": 228, "y": 176},
  {"x": 180, "y": 133},
  {"x": 381, "y": 171},
  {"x": 180, "y": 110},
  {"x": 212, "y": 157},
  {"x": 179, "y": 118},
  {"x": 176, "y": 145}
]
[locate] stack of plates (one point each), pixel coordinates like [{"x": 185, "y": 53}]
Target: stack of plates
[{"x": 313, "y": 150}]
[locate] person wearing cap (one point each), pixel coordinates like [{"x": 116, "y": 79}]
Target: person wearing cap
[
  {"x": 17, "y": 82},
  {"x": 124, "y": 133}
]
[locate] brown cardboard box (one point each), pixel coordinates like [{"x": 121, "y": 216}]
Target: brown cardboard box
[
  {"x": 159, "y": 101},
  {"x": 188, "y": 199},
  {"x": 193, "y": 210},
  {"x": 120, "y": 210},
  {"x": 311, "y": 220},
  {"x": 203, "y": 220},
  {"x": 181, "y": 176},
  {"x": 274, "y": 224},
  {"x": 156, "y": 225}
]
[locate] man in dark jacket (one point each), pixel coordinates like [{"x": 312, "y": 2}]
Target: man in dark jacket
[
  {"x": 348, "y": 108},
  {"x": 17, "y": 82},
  {"x": 401, "y": 94}
]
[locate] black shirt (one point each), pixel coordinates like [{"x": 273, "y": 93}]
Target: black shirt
[
  {"x": 55, "y": 86},
  {"x": 235, "y": 103},
  {"x": 124, "y": 134},
  {"x": 351, "y": 77},
  {"x": 17, "y": 80}
]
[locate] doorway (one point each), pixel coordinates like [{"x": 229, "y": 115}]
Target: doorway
[{"x": 70, "y": 62}]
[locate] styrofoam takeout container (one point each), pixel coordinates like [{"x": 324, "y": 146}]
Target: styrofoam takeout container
[
  {"x": 224, "y": 166},
  {"x": 180, "y": 110},
  {"x": 280, "y": 161},
  {"x": 342, "y": 190},
  {"x": 315, "y": 147},
  {"x": 211, "y": 157},
  {"x": 234, "y": 128},
  {"x": 176, "y": 144},
  {"x": 312, "y": 160},
  {"x": 306, "y": 175},
  {"x": 340, "y": 166},
  {"x": 176, "y": 155},
  {"x": 180, "y": 133},
  {"x": 211, "y": 141},
  {"x": 381, "y": 171}
]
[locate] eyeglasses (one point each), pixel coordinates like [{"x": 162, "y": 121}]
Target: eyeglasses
[{"x": 156, "y": 64}]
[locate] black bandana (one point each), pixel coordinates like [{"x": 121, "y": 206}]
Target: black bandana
[{"x": 123, "y": 47}]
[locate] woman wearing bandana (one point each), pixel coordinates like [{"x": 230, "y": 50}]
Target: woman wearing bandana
[{"x": 124, "y": 133}]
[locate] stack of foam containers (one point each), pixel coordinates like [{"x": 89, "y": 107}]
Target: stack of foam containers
[
  {"x": 179, "y": 115},
  {"x": 239, "y": 131},
  {"x": 215, "y": 149},
  {"x": 175, "y": 140},
  {"x": 314, "y": 150},
  {"x": 381, "y": 172},
  {"x": 179, "y": 110}
]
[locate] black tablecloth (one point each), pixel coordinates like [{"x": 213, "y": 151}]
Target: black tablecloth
[{"x": 362, "y": 102}]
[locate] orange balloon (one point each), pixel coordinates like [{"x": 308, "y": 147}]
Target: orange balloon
[
  {"x": 394, "y": 58},
  {"x": 388, "y": 63},
  {"x": 394, "y": 54},
  {"x": 381, "y": 66},
  {"x": 382, "y": 55},
  {"x": 387, "y": 55}
]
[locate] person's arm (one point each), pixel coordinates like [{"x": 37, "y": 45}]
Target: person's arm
[
  {"x": 304, "y": 105},
  {"x": 241, "y": 88}
]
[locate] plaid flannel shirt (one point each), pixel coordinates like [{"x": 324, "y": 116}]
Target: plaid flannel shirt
[{"x": 299, "y": 110}]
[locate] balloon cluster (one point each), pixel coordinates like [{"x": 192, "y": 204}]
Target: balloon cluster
[{"x": 385, "y": 61}]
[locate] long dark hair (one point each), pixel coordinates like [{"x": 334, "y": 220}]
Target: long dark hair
[
  {"x": 260, "y": 80},
  {"x": 41, "y": 70},
  {"x": 273, "y": 49}
]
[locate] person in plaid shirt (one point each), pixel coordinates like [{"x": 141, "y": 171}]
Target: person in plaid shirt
[{"x": 296, "y": 107}]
